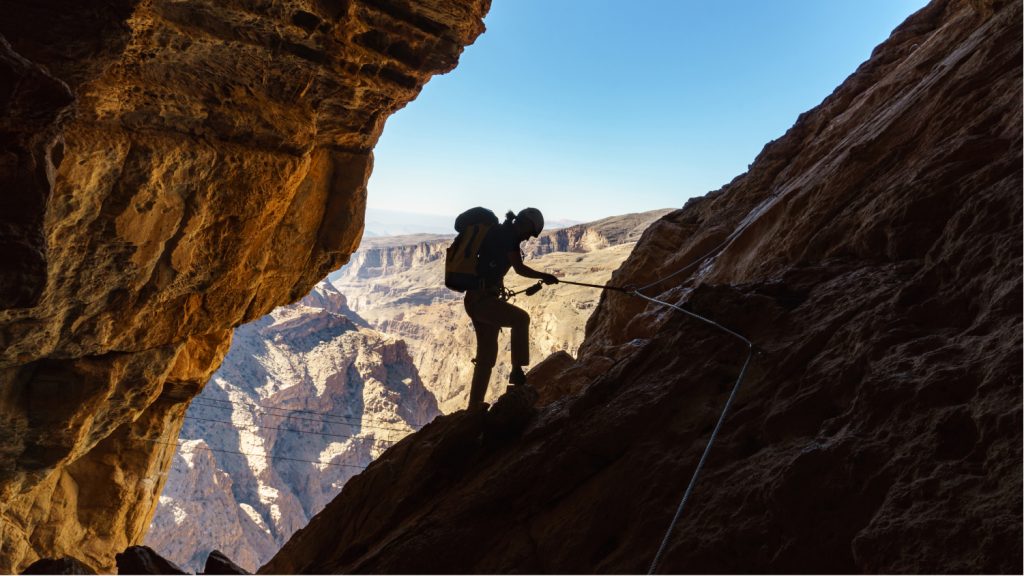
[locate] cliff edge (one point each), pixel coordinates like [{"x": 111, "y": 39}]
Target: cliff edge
[{"x": 874, "y": 254}]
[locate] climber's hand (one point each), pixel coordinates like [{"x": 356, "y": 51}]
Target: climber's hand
[{"x": 549, "y": 279}]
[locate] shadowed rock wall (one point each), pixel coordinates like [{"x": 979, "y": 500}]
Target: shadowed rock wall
[
  {"x": 874, "y": 254},
  {"x": 170, "y": 170}
]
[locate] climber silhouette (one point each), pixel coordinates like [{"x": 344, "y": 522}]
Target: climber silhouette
[{"x": 487, "y": 307}]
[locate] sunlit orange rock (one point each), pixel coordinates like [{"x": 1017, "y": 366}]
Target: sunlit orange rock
[{"x": 212, "y": 165}]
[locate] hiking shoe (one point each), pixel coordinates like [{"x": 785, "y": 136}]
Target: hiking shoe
[{"x": 517, "y": 376}]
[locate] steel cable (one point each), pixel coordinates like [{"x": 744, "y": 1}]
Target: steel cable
[
  {"x": 728, "y": 403},
  {"x": 296, "y": 410},
  {"x": 714, "y": 433},
  {"x": 263, "y": 427},
  {"x": 203, "y": 402},
  {"x": 179, "y": 447}
]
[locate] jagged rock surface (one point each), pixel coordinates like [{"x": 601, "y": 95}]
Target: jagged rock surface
[
  {"x": 874, "y": 253},
  {"x": 65, "y": 565},
  {"x": 33, "y": 105},
  {"x": 218, "y": 563},
  {"x": 303, "y": 383},
  {"x": 198, "y": 512},
  {"x": 397, "y": 285},
  {"x": 213, "y": 168},
  {"x": 145, "y": 560}
]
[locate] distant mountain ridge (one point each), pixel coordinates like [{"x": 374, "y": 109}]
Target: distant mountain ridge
[
  {"x": 397, "y": 285},
  {"x": 387, "y": 255},
  {"x": 381, "y": 222}
]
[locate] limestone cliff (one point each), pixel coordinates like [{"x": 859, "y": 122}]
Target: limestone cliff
[
  {"x": 874, "y": 254},
  {"x": 397, "y": 285},
  {"x": 391, "y": 255},
  {"x": 303, "y": 401},
  {"x": 198, "y": 512},
  {"x": 593, "y": 236},
  {"x": 170, "y": 170}
]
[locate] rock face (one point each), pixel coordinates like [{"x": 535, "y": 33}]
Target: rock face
[
  {"x": 397, "y": 285},
  {"x": 144, "y": 560},
  {"x": 873, "y": 253},
  {"x": 594, "y": 236},
  {"x": 33, "y": 105},
  {"x": 218, "y": 563},
  {"x": 171, "y": 169},
  {"x": 66, "y": 565},
  {"x": 304, "y": 400},
  {"x": 381, "y": 257},
  {"x": 198, "y": 512}
]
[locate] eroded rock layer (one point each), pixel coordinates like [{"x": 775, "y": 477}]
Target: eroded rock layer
[
  {"x": 171, "y": 169},
  {"x": 304, "y": 400},
  {"x": 874, "y": 254}
]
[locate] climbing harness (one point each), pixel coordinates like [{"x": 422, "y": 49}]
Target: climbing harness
[
  {"x": 751, "y": 350},
  {"x": 504, "y": 294},
  {"x": 529, "y": 291}
]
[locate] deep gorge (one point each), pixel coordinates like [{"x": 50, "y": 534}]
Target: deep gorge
[{"x": 172, "y": 170}]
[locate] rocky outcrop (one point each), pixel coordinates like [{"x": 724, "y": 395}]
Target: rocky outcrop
[
  {"x": 218, "y": 563},
  {"x": 873, "y": 253},
  {"x": 198, "y": 512},
  {"x": 398, "y": 288},
  {"x": 304, "y": 400},
  {"x": 325, "y": 296},
  {"x": 33, "y": 105},
  {"x": 65, "y": 565},
  {"x": 144, "y": 560},
  {"x": 214, "y": 167}
]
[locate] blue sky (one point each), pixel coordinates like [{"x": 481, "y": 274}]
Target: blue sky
[{"x": 590, "y": 108}]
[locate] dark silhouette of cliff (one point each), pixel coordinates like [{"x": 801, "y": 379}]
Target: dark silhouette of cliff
[{"x": 874, "y": 254}]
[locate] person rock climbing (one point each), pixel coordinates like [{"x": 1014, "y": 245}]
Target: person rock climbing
[{"x": 489, "y": 311}]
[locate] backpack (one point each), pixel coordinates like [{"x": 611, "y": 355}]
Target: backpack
[{"x": 460, "y": 264}]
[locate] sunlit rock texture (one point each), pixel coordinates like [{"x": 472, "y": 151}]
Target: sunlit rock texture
[
  {"x": 396, "y": 284},
  {"x": 304, "y": 400},
  {"x": 242, "y": 504},
  {"x": 873, "y": 253},
  {"x": 170, "y": 170}
]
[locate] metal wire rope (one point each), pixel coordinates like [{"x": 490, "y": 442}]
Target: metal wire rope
[
  {"x": 265, "y": 407},
  {"x": 179, "y": 446},
  {"x": 202, "y": 402},
  {"x": 732, "y": 395},
  {"x": 343, "y": 419},
  {"x": 262, "y": 427},
  {"x": 714, "y": 433}
]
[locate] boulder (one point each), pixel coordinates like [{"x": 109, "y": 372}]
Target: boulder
[
  {"x": 218, "y": 563},
  {"x": 65, "y": 565},
  {"x": 144, "y": 560}
]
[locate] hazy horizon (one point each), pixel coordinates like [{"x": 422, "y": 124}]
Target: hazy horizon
[
  {"x": 382, "y": 222},
  {"x": 586, "y": 110}
]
